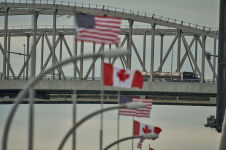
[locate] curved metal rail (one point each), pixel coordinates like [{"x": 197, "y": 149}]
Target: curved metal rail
[{"x": 64, "y": 8}]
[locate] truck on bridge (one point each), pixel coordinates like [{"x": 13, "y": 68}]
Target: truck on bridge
[{"x": 172, "y": 77}]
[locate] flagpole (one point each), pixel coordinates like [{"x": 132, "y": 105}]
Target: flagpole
[
  {"x": 149, "y": 147},
  {"x": 133, "y": 134},
  {"x": 118, "y": 120},
  {"x": 102, "y": 97},
  {"x": 74, "y": 99}
]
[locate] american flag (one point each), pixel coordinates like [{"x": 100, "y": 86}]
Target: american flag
[
  {"x": 139, "y": 112},
  {"x": 98, "y": 29},
  {"x": 140, "y": 143}
]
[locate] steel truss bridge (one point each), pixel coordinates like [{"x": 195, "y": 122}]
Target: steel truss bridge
[{"x": 58, "y": 89}]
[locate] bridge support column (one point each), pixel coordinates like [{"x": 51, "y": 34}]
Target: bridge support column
[
  {"x": 53, "y": 41},
  {"x": 109, "y": 60},
  {"x": 214, "y": 60},
  {"x": 144, "y": 51},
  {"x": 152, "y": 51},
  {"x": 75, "y": 63},
  {"x": 42, "y": 50},
  {"x": 130, "y": 44},
  {"x": 28, "y": 46},
  {"x": 102, "y": 64},
  {"x": 81, "y": 61},
  {"x": 178, "y": 49},
  {"x": 203, "y": 59},
  {"x": 196, "y": 49},
  {"x": 161, "y": 51},
  {"x": 33, "y": 55},
  {"x": 6, "y": 9},
  {"x": 93, "y": 70},
  {"x": 8, "y": 64},
  {"x": 61, "y": 38}
]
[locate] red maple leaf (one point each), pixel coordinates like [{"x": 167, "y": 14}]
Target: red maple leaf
[
  {"x": 146, "y": 129},
  {"x": 122, "y": 75}
]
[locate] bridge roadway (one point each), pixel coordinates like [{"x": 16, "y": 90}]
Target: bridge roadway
[{"x": 60, "y": 91}]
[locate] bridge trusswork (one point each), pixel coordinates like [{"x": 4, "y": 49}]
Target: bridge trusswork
[{"x": 86, "y": 83}]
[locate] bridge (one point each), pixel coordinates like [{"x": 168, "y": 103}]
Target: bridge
[{"x": 87, "y": 82}]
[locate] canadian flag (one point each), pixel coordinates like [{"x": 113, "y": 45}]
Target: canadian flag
[
  {"x": 152, "y": 149},
  {"x": 140, "y": 129},
  {"x": 125, "y": 78}
]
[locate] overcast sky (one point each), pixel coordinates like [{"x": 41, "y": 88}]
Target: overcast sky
[{"x": 182, "y": 126}]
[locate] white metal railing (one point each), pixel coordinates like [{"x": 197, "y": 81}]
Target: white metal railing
[
  {"x": 98, "y": 78},
  {"x": 126, "y": 11}
]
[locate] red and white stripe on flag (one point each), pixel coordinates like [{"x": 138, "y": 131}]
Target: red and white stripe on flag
[
  {"x": 105, "y": 30},
  {"x": 119, "y": 77},
  {"x": 141, "y": 129},
  {"x": 139, "y": 112}
]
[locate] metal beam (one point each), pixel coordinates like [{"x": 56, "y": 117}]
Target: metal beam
[
  {"x": 42, "y": 51},
  {"x": 196, "y": 50},
  {"x": 93, "y": 63},
  {"x": 109, "y": 59},
  {"x": 122, "y": 58},
  {"x": 186, "y": 55},
  {"x": 178, "y": 50},
  {"x": 10, "y": 67},
  {"x": 203, "y": 59},
  {"x": 28, "y": 58},
  {"x": 69, "y": 52},
  {"x": 8, "y": 56},
  {"x": 53, "y": 41},
  {"x": 33, "y": 53},
  {"x": 152, "y": 51},
  {"x": 50, "y": 48},
  {"x": 167, "y": 54},
  {"x": 138, "y": 56},
  {"x": 50, "y": 55},
  {"x": 81, "y": 61},
  {"x": 122, "y": 44},
  {"x": 209, "y": 62},
  {"x": 144, "y": 51},
  {"x": 189, "y": 52},
  {"x": 6, "y": 9},
  {"x": 75, "y": 55},
  {"x": 214, "y": 60},
  {"x": 102, "y": 64},
  {"x": 93, "y": 70},
  {"x": 130, "y": 44},
  {"x": 161, "y": 50},
  {"x": 61, "y": 38},
  {"x": 28, "y": 46}
]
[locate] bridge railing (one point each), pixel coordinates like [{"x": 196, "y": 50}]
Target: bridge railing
[
  {"x": 98, "y": 78},
  {"x": 126, "y": 11},
  {"x": 183, "y": 80}
]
